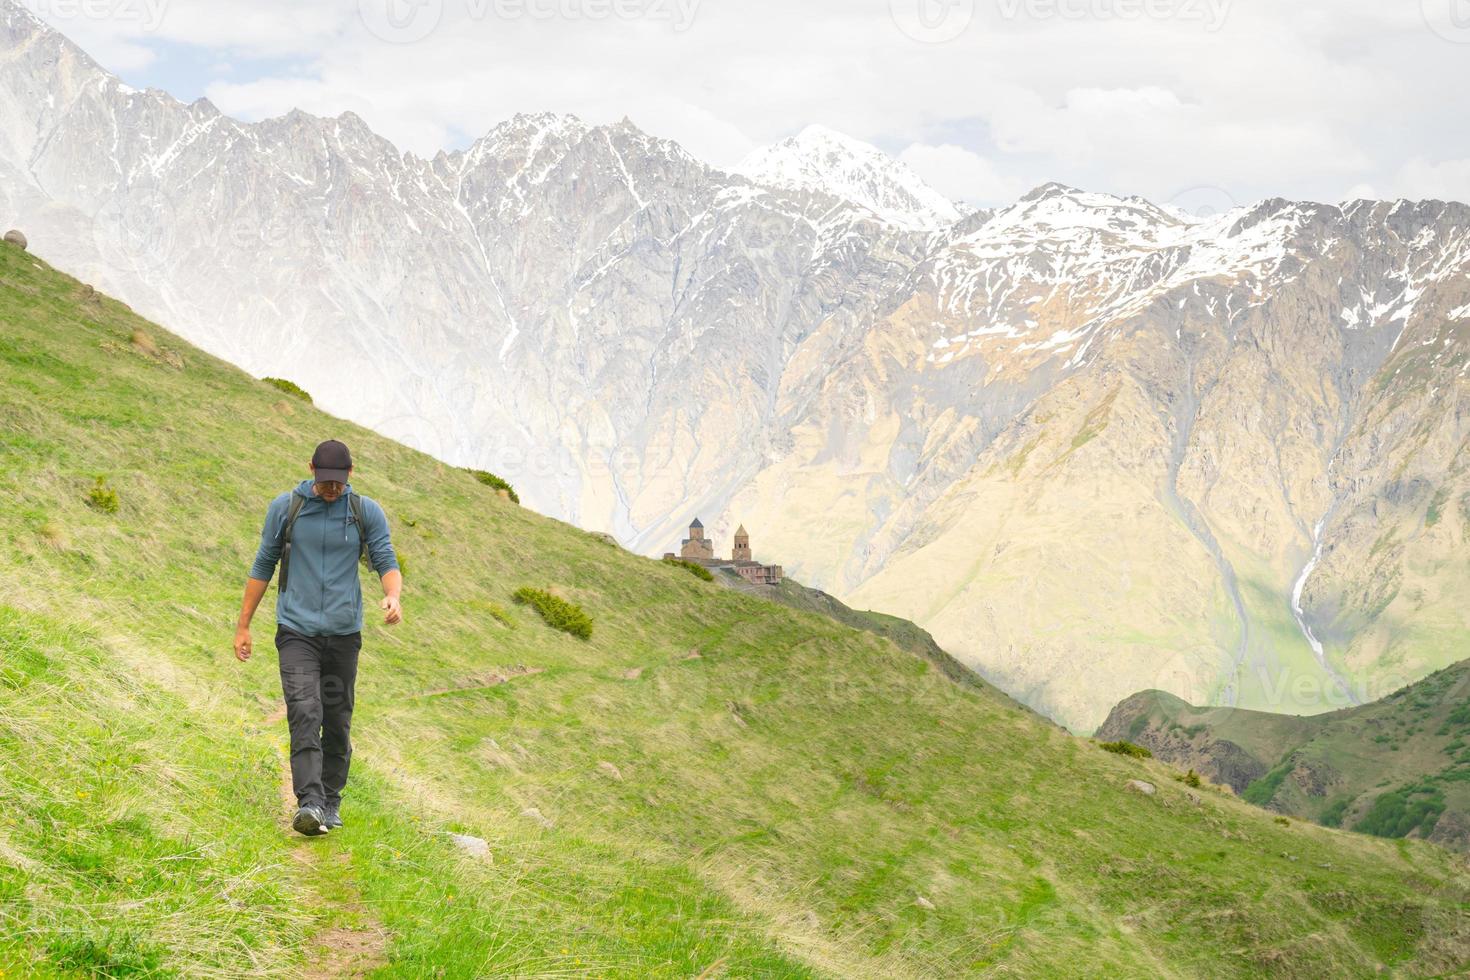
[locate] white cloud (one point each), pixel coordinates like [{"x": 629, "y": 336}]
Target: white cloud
[
  {"x": 960, "y": 174},
  {"x": 1445, "y": 179},
  {"x": 1308, "y": 99}
]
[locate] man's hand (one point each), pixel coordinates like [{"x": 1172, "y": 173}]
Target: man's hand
[
  {"x": 242, "y": 643},
  {"x": 392, "y": 610}
]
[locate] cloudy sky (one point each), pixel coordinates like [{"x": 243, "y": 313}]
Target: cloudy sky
[{"x": 1202, "y": 102}]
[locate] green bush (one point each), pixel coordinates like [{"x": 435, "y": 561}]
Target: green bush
[
  {"x": 557, "y": 612},
  {"x": 1121, "y": 747},
  {"x": 1398, "y": 812},
  {"x": 496, "y": 483},
  {"x": 1190, "y": 778},
  {"x": 289, "y": 387},
  {"x": 1283, "y": 821},
  {"x": 500, "y": 614},
  {"x": 1262, "y": 790},
  {"x": 695, "y": 569},
  {"x": 1332, "y": 816},
  {"x": 103, "y": 497}
]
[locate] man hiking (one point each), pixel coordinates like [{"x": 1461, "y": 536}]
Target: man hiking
[{"x": 318, "y": 532}]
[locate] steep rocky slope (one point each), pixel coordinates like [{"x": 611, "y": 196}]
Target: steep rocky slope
[{"x": 1116, "y": 452}]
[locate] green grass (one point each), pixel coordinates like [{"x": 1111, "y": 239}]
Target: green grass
[{"x": 712, "y": 784}]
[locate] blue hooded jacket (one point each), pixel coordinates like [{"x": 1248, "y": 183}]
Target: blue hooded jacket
[{"x": 323, "y": 595}]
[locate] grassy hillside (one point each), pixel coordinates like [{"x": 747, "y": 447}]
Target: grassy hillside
[
  {"x": 1396, "y": 767},
  {"x": 713, "y": 785},
  {"x": 903, "y": 633}
]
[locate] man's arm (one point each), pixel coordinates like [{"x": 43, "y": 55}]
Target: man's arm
[
  {"x": 384, "y": 560},
  {"x": 392, "y": 586},
  {"x": 254, "y": 590},
  {"x": 261, "y": 571}
]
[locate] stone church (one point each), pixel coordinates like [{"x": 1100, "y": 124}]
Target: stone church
[{"x": 701, "y": 550}]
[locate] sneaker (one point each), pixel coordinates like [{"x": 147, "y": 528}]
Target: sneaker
[
  {"x": 310, "y": 821},
  {"x": 333, "y": 816}
]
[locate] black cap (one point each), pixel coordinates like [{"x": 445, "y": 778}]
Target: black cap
[{"x": 331, "y": 461}]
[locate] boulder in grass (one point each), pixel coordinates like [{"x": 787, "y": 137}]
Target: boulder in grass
[
  {"x": 1140, "y": 786},
  {"x": 17, "y": 238},
  {"x": 473, "y": 846}
]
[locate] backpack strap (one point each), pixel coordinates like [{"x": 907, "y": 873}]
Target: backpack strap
[
  {"x": 292, "y": 512},
  {"x": 355, "y": 503}
]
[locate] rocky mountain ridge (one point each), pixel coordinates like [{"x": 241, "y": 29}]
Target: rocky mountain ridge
[{"x": 1396, "y": 767}]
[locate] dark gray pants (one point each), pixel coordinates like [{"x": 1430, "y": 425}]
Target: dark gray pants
[{"x": 318, "y": 678}]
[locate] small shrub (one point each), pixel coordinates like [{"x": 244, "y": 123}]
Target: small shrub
[
  {"x": 289, "y": 387},
  {"x": 1121, "y": 747},
  {"x": 697, "y": 570},
  {"x": 495, "y": 483},
  {"x": 557, "y": 612},
  {"x": 141, "y": 340},
  {"x": 54, "y": 535},
  {"x": 1190, "y": 779},
  {"x": 500, "y": 614},
  {"x": 103, "y": 497},
  {"x": 1283, "y": 821}
]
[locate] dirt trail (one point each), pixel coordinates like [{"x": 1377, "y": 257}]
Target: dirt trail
[{"x": 357, "y": 945}]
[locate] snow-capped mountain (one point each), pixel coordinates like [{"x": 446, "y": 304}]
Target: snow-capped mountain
[
  {"x": 1094, "y": 445},
  {"x": 824, "y": 161}
]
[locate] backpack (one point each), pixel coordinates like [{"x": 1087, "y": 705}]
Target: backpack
[{"x": 354, "y": 503}]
